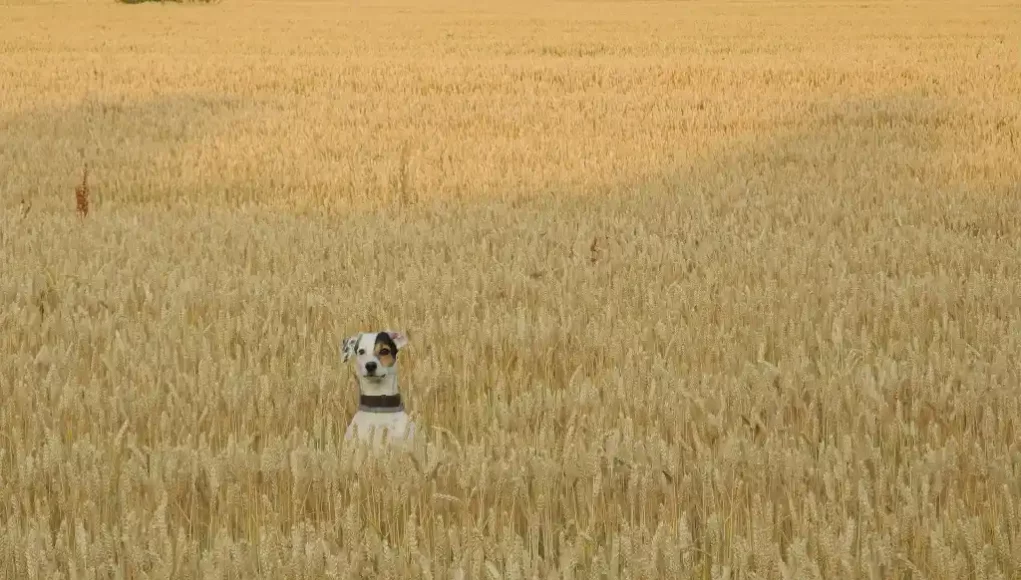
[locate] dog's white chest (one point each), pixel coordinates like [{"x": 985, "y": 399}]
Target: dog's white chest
[{"x": 378, "y": 427}]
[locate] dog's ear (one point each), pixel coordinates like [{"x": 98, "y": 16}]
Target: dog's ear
[
  {"x": 348, "y": 347},
  {"x": 400, "y": 339}
]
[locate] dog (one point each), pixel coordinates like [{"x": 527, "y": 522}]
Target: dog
[{"x": 380, "y": 408}]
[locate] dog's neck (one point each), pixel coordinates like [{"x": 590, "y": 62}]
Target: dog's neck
[{"x": 382, "y": 397}]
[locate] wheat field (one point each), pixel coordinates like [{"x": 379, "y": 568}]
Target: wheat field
[{"x": 702, "y": 289}]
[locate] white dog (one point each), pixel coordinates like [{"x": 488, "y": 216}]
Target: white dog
[{"x": 380, "y": 408}]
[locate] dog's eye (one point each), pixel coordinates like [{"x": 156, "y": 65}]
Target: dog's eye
[
  {"x": 361, "y": 351},
  {"x": 384, "y": 352}
]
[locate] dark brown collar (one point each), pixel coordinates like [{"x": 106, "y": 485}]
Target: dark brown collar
[{"x": 380, "y": 403}]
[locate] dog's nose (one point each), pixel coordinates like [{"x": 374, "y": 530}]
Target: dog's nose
[{"x": 370, "y": 367}]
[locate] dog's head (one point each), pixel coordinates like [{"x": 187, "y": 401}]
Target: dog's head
[{"x": 375, "y": 356}]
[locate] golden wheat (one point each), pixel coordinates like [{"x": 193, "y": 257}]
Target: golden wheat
[{"x": 694, "y": 289}]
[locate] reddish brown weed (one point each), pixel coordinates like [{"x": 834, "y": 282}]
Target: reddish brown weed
[{"x": 81, "y": 193}]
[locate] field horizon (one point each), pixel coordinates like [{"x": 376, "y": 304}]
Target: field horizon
[{"x": 704, "y": 289}]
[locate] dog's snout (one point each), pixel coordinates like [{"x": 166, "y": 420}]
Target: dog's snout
[{"x": 370, "y": 367}]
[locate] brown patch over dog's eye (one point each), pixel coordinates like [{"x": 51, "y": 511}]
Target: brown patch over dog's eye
[{"x": 385, "y": 355}]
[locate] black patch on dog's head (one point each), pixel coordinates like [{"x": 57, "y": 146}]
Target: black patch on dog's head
[{"x": 385, "y": 344}]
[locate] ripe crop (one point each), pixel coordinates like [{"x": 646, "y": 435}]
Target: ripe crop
[{"x": 694, "y": 289}]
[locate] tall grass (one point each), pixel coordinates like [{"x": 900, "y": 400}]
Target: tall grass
[{"x": 699, "y": 289}]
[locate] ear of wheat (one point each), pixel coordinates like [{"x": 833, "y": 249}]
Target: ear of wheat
[{"x": 81, "y": 193}]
